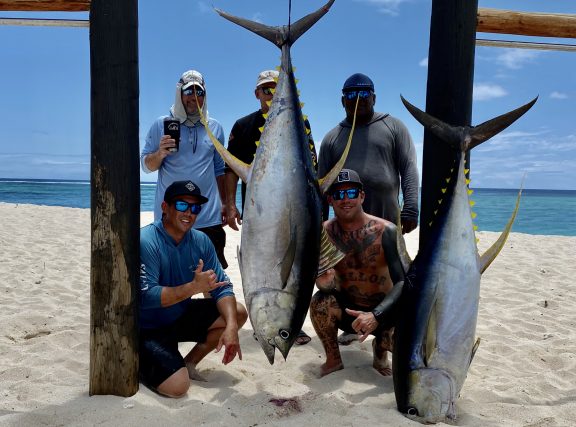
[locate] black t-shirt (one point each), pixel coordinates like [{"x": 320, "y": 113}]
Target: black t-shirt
[{"x": 243, "y": 137}]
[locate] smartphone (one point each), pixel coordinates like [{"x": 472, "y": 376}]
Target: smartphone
[{"x": 172, "y": 128}]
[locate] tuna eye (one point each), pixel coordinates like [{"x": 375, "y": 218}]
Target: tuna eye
[
  {"x": 412, "y": 411},
  {"x": 284, "y": 334}
]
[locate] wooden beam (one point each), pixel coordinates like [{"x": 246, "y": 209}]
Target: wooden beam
[
  {"x": 526, "y": 45},
  {"x": 525, "y": 23},
  {"x": 45, "y": 5},
  {"x": 45, "y": 22},
  {"x": 115, "y": 198}
]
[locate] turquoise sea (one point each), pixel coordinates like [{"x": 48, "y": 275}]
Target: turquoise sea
[{"x": 551, "y": 212}]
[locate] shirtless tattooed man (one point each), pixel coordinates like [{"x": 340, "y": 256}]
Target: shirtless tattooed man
[{"x": 359, "y": 294}]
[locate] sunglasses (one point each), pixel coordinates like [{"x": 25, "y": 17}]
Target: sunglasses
[
  {"x": 352, "y": 193},
  {"x": 267, "y": 90},
  {"x": 182, "y": 206},
  {"x": 199, "y": 92},
  {"x": 354, "y": 93}
]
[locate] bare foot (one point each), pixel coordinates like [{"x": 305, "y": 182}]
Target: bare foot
[
  {"x": 381, "y": 364},
  {"x": 193, "y": 373},
  {"x": 346, "y": 338},
  {"x": 326, "y": 369}
]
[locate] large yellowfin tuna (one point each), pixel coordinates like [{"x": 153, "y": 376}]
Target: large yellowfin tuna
[
  {"x": 282, "y": 220},
  {"x": 435, "y": 336}
]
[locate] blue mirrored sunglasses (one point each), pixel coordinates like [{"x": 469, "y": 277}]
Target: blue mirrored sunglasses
[
  {"x": 190, "y": 91},
  {"x": 349, "y": 95},
  {"x": 352, "y": 193},
  {"x": 182, "y": 206}
]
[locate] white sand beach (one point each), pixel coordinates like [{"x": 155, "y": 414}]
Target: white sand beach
[{"x": 524, "y": 372}]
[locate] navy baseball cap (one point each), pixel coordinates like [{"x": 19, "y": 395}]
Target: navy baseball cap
[
  {"x": 358, "y": 81},
  {"x": 183, "y": 188}
]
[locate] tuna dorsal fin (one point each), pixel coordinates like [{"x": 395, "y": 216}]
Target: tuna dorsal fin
[
  {"x": 488, "y": 129},
  {"x": 243, "y": 170},
  {"x": 463, "y": 138},
  {"x": 280, "y": 35},
  {"x": 489, "y": 256},
  {"x": 327, "y": 180}
]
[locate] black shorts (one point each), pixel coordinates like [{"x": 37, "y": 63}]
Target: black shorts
[
  {"x": 159, "y": 355},
  {"x": 217, "y": 236}
]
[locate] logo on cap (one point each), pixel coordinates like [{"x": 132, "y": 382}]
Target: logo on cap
[
  {"x": 190, "y": 186},
  {"x": 343, "y": 176}
]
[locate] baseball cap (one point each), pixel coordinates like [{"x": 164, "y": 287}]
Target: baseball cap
[
  {"x": 192, "y": 78},
  {"x": 347, "y": 176},
  {"x": 183, "y": 188},
  {"x": 267, "y": 76},
  {"x": 358, "y": 81}
]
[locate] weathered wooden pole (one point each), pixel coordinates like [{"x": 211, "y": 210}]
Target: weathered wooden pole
[
  {"x": 448, "y": 94},
  {"x": 115, "y": 197}
]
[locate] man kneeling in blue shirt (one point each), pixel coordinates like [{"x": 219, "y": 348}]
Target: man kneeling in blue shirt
[{"x": 178, "y": 262}]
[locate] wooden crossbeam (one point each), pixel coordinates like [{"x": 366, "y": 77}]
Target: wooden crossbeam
[
  {"x": 45, "y": 22},
  {"x": 526, "y": 45},
  {"x": 526, "y": 23},
  {"x": 45, "y": 5}
]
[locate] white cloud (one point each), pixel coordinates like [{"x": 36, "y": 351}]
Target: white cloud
[
  {"x": 558, "y": 95},
  {"x": 516, "y": 58},
  {"x": 424, "y": 62},
  {"x": 388, "y": 7},
  {"x": 487, "y": 91}
]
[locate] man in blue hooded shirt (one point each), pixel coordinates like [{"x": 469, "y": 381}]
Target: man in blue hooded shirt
[{"x": 178, "y": 262}]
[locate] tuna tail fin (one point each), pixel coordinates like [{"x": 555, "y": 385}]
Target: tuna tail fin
[
  {"x": 490, "y": 254},
  {"x": 488, "y": 129},
  {"x": 327, "y": 180},
  {"x": 464, "y": 138},
  {"x": 243, "y": 170},
  {"x": 280, "y": 35}
]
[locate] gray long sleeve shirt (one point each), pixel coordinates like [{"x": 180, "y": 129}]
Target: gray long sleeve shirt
[{"x": 384, "y": 156}]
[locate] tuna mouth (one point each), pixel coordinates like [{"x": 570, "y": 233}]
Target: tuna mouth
[{"x": 281, "y": 342}]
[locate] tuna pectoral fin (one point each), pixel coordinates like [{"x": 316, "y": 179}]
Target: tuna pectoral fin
[
  {"x": 489, "y": 256},
  {"x": 240, "y": 168},
  {"x": 474, "y": 348},
  {"x": 330, "y": 255},
  {"x": 284, "y": 267},
  {"x": 327, "y": 181}
]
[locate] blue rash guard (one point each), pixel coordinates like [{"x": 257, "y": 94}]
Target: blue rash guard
[{"x": 163, "y": 263}]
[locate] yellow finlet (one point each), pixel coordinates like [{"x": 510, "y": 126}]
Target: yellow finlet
[
  {"x": 466, "y": 171},
  {"x": 475, "y": 227},
  {"x": 474, "y": 215},
  {"x": 444, "y": 190},
  {"x": 261, "y": 129},
  {"x": 440, "y": 201},
  {"x": 278, "y": 67},
  {"x": 301, "y": 105},
  {"x": 268, "y": 103},
  {"x": 296, "y": 80},
  {"x": 265, "y": 115},
  {"x": 467, "y": 182},
  {"x": 448, "y": 180},
  {"x": 273, "y": 90},
  {"x": 304, "y": 117},
  {"x": 430, "y": 223},
  {"x": 470, "y": 192},
  {"x": 472, "y": 202},
  {"x": 436, "y": 212},
  {"x": 257, "y": 143},
  {"x": 308, "y": 131}
]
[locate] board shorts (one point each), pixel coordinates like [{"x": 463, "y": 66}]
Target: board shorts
[
  {"x": 217, "y": 236},
  {"x": 159, "y": 354}
]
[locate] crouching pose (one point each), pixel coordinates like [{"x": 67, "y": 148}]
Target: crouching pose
[
  {"x": 178, "y": 262},
  {"x": 358, "y": 295}
]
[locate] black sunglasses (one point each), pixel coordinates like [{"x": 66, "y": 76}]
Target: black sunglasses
[
  {"x": 267, "y": 90},
  {"x": 190, "y": 91},
  {"x": 352, "y": 193},
  {"x": 349, "y": 95},
  {"x": 182, "y": 206}
]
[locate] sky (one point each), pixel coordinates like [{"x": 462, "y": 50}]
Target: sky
[{"x": 45, "y": 84}]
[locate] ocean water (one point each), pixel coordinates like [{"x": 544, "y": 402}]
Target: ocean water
[{"x": 550, "y": 212}]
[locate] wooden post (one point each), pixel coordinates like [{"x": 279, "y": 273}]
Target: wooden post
[
  {"x": 448, "y": 95},
  {"x": 115, "y": 197}
]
